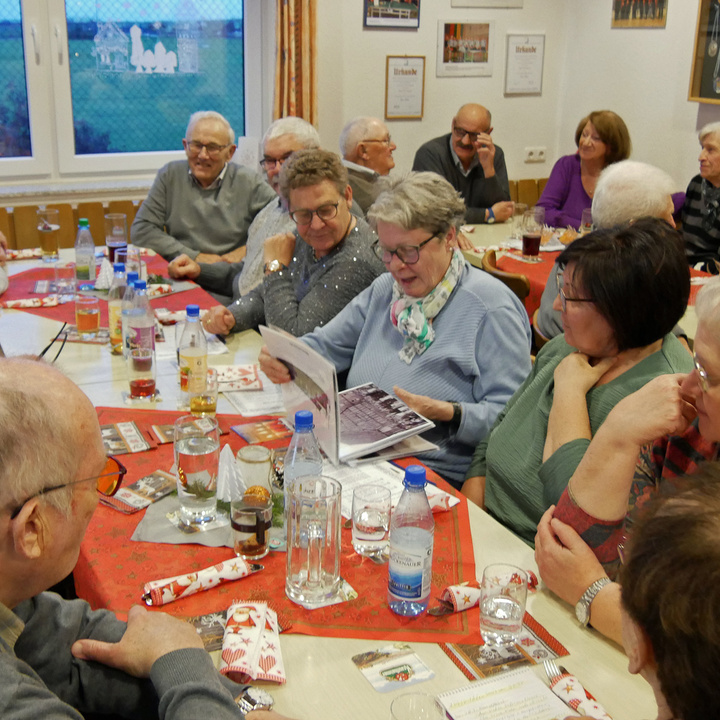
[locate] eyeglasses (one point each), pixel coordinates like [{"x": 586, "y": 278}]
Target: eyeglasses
[
  {"x": 460, "y": 133},
  {"x": 564, "y": 299},
  {"x": 408, "y": 254},
  {"x": 108, "y": 483},
  {"x": 385, "y": 141},
  {"x": 324, "y": 212},
  {"x": 268, "y": 163},
  {"x": 705, "y": 382},
  {"x": 213, "y": 150}
]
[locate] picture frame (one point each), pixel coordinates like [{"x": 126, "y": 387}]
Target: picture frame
[
  {"x": 705, "y": 72},
  {"x": 404, "y": 87},
  {"x": 465, "y": 48},
  {"x": 639, "y": 14},
  {"x": 487, "y": 3},
  {"x": 524, "y": 64},
  {"x": 397, "y": 14}
]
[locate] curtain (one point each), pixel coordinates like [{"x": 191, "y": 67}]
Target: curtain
[{"x": 295, "y": 78}]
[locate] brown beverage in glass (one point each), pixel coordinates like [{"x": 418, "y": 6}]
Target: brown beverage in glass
[{"x": 531, "y": 244}]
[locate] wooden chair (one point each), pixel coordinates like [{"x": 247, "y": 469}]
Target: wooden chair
[
  {"x": 519, "y": 284},
  {"x": 26, "y": 226},
  {"x": 68, "y": 226},
  {"x": 95, "y": 213},
  {"x": 127, "y": 207},
  {"x": 527, "y": 191},
  {"x": 7, "y": 227},
  {"x": 538, "y": 338}
]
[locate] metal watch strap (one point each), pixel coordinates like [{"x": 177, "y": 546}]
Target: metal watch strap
[
  {"x": 273, "y": 266},
  {"x": 253, "y": 698},
  {"x": 582, "y": 609}
]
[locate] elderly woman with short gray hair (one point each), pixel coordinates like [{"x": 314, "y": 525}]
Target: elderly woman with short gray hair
[
  {"x": 448, "y": 339},
  {"x": 701, "y": 211}
]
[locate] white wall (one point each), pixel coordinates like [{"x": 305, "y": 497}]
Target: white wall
[{"x": 643, "y": 74}]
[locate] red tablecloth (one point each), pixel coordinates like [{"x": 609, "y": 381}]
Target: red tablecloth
[{"x": 112, "y": 569}]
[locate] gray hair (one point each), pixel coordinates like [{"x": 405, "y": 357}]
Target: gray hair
[
  {"x": 707, "y": 306},
  {"x": 628, "y": 190},
  {"x": 300, "y": 129},
  {"x": 305, "y": 168},
  {"x": 712, "y": 128},
  {"x": 357, "y": 130},
  {"x": 36, "y": 445},
  {"x": 196, "y": 117},
  {"x": 418, "y": 200}
]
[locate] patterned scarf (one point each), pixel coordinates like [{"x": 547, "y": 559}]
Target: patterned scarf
[
  {"x": 413, "y": 316},
  {"x": 711, "y": 201}
]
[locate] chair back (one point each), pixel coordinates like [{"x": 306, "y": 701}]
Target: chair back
[
  {"x": 518, "y": 283},
  {"x": 538, "y": 338}
]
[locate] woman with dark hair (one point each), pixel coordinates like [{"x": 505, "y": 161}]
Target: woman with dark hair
[
  {"x": 670, "y": 599},
  {"x": 620, "y": 293},
  {"x": 602, "y": 138}
]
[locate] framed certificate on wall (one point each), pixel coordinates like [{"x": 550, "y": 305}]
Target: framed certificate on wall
[{"x": 404, "y": 87}]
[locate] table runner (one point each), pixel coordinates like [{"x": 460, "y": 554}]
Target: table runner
[{"x": 111, "y": 569}]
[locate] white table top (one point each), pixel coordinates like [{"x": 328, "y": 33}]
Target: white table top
[{"x": 322, "y": 680}]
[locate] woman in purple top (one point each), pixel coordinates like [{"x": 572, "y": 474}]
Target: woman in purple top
[{"x": 602, "y": 138}]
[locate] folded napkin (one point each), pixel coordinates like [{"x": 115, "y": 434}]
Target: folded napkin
[
  {"x": 251, "y": 644},
  {"x": 568, "y": 688},
  {"x": 467, "y": 595},
  {"x": 167, "y": 590},
  {"x": 23, "y": 254},
  {"x": 439, "y": 500},
  {"x": 49, "y": 301}
]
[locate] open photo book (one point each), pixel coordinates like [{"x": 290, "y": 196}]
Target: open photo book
[{"x": 348, "y": 425}]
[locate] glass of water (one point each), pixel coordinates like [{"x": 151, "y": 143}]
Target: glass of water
[
  {"x": 502, "y": 604},
  {"x": 371, "y": 520},
  {"x": 197, "y": 455}
]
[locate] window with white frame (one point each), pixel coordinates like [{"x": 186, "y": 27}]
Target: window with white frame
[{"x": 107, "y": 86}]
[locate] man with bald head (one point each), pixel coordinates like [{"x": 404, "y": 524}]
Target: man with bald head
[
  {"x": 469, "y": 160},
  {"x": 366, "y": 148},
  {"x": 58, "y": 658}
]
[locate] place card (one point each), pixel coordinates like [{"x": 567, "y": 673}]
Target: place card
[{"x": 123, "y": 438}]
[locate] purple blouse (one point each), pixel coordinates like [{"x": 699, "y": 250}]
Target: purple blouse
[{"x": 564, "y": 197}]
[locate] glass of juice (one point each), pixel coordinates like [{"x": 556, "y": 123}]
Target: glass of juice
[
  {"x": 141, "y": 372},
  {"x": 48, "y": 225},
  {"x": 115, "y": 234},
  {"x": 203, "y": 403},
  {"x": 87, "y": 316}
]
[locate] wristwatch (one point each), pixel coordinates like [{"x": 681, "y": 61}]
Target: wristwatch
[
  {"x": 254, "y": 698},
  {"x": 457, "y": 416},
  {"x": 582, "y": 609},
  {"x": 274, "y": 266},
  {"x": 491, "y": 216}
]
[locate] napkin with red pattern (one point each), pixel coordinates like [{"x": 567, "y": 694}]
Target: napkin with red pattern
[
  {"x": 167, "y": 590},
  {"x": 251, "y": 644},
  {"x": 568, "y": 688},
  {"x": 467, "y": 595}
]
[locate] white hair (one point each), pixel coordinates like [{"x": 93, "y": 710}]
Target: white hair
[
  {"x": 712, "y": 128},
  {"x": 357, "y": 130},
  {"x": 300, "y": 129},
  {"x": 628, "y": 190},
  {"x": 707, "y": 306},
  {"x": 196, "y": 117}
]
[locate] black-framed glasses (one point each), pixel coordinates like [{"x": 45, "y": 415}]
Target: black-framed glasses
[
  {"x": 564, "y": 299},
  {"x": 268, "y": 163},
  {"x": 705, "y": 382},
  {"x": 52, "y": 342},
  {"x": 460, "y": 133},
  {"x": 324, "y": 212},
  {"x": 408, "y": 254},
  {"x": 107, "y": 482},
  {"x": 212, "y": 149}
]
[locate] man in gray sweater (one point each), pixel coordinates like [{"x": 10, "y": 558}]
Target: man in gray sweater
[
  {"x": 58, "y": 658},
  {"x": 202, "y": 206}
]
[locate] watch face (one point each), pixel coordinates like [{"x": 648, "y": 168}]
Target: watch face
[{"x": 259, "y": 698}]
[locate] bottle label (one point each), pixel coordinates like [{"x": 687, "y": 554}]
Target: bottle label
[
  {"x": 115, "y": 317},
  {"x": 410, "y": 574},
  {"x": 141, "y": 337},
  {"x": 193, "y": 373}
]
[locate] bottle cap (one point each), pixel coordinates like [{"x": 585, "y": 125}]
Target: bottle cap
[
  {"x": 83, "y": 222},
  {"x": 140, "y": 285},
  {"x": 303, "y": 420},
  {"x": 132, "y": 276},
  {"x": 118, "y": 267},
  {"x": 193, "y": 311},
  {"x": 415, "y": 476}
]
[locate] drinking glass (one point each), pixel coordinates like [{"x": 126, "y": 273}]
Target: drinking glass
[
  {"x": 115, "y": 234},
  {"x": 87, "y": 316},
  {"x": 197, "y": 456},
  {"x": 48, "y": 225},
  {"x": 65, "y": 280},
  {"x": 533, "y": 222},
  {"x": 204, "y": 402},
  {"x": 502, "y": 603},
  {"x": 141, "y": 372},
  {"x": 255, "y": 465},
  {"x": 371, "y": 520},
  {"x": 586, "y": 222},
  {"x": 415, "y": 706},
  {"x": 519, "y": 211},
  {"x": 250, "y": 519}
]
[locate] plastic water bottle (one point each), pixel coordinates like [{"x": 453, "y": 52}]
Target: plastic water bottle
[
  {"x": 192, "y": 353},
  {"x": 411, "y": 547},
  {"x": 84, "y": 253},
  {"x": 127, "y": 303},
  {"x": 115, "y": 298},
  {"x": 303, "y": 454}
]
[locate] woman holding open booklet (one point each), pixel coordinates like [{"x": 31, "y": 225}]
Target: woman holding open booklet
[{"x": 449, "y": 340}]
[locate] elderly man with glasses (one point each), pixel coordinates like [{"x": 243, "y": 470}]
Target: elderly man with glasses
[
  {"x": 203, "y": 206},
  {"x": 311, "y": 274},
  {"x": 469, "y": 160},
  {"x": 367, "y": 148},
  {"x": 58, "y": 658}
]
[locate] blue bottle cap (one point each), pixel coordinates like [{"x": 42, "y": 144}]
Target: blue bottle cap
[
  {"x": 415, "y": 476},
  {"x": 193, "y": 311},
  {"x": 132, "y": 277},
  {"x": 303, "y": 420},
  {"x": 118, "y": 267},
  {"x": 140, "y": 285}
]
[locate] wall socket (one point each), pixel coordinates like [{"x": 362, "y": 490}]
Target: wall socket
[{"x": 535, "y": 154}]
